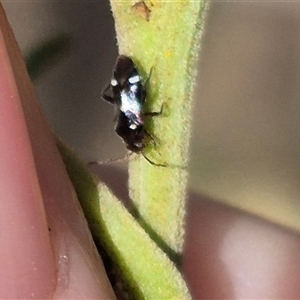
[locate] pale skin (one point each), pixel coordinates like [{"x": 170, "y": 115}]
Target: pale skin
[{"x": 46, "y": 248}]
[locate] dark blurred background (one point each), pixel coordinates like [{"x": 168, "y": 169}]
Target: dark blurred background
[{"x": 245, "y": 148}]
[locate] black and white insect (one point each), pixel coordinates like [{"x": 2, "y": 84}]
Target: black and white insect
[{"x": 127, "y": 92}]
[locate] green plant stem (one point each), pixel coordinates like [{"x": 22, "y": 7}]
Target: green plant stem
[{"x": 164, "y": 36}]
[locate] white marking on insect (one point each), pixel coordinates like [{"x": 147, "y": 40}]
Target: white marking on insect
[
  {"x": 134, "y": 79},
  {"x": 114, "y": 82},
  {"x": 133, "y": 88},
  {"x": 129, "y": 103},
  {"x": 133, "y": 126},
  {"x": 130, "y": 107}
]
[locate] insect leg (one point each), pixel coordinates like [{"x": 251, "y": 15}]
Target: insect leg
[
  {"x": 148, "y": 79},
  {"x": 150, "y": 136},
  {"x": 155, "y": 113},
  {"x": 107, "y": 95},
  {"x": 153, "y": 163}
]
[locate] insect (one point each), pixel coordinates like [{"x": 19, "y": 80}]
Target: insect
[{"x": 128, "y": 93}]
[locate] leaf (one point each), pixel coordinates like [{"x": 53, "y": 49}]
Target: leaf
[
  {"x": 46, "y": 54},
  {"x": 148, "y": 271}
]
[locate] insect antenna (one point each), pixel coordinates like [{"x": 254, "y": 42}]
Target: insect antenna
[
  {"x": 111, "y": 161},
  {"x": 127, "y": 156}
]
